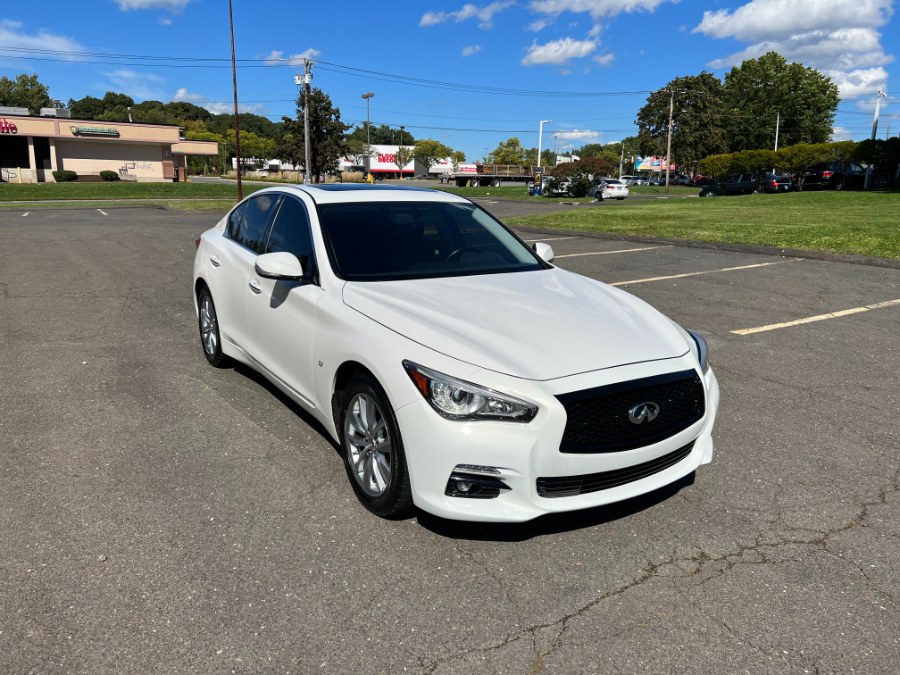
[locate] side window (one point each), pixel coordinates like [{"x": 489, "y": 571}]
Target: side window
[
  {"x": 234, "y": 220},
  {"x": 290, "y": 233},
  {"x": 251, "y": 231}
]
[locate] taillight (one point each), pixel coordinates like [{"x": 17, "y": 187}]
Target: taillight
[
  {"x": 197, "y": 242},
  {"x": 827, "y": 174}
]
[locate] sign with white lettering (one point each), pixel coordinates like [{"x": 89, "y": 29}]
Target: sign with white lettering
[{"x": 94, "y": 131}]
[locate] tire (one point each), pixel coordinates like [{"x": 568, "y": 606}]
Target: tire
[
  {"x": 475, "y": 183},
  {"x": 210, "y": 338},
  {"x": 495, "y": 182},
  {"x": 373, "y": 449}
]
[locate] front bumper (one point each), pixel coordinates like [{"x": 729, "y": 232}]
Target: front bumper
[{"x": 523, "y": 453}]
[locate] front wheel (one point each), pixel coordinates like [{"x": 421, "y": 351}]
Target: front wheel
[{"x": 373, "y": 450}]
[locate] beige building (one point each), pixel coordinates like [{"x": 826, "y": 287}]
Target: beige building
[{"x": 32, "y": 148}]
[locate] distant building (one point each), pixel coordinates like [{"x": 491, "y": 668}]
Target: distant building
[{"x": 32, "y": 148}]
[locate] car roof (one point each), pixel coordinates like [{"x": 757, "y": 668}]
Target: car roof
[{"x": 342, "y": 193}]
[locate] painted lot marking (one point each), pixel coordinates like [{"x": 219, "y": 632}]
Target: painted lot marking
[
  {"x": 624, "y": 250},
  {"x": 26, "y": 213},
  {"x": 817, "y": 317},
  {"x": 696, "y": 274},
  {"x": 551, "y": 239},
  {"x": 103, "y": 212}
]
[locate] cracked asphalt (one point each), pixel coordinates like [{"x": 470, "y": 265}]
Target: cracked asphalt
[{"x": 158, "y": 516}]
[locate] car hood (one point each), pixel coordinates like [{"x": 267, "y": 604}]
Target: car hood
[{"x": 535, "y": 325}]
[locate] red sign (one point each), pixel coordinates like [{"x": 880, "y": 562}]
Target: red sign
[
  {"x": 387, "y": 159},
  {"x": 7, "y": 127}
]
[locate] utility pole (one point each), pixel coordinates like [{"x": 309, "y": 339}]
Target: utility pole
[
  {"x": 304, "y": 81},
  {"x": 400, "y": 152},
  {"x": 237, "y": 130},
  {"x": 880, "y": 95},
  {"x": 621, "y": 159},
  {"x": 669, "y": 141}
]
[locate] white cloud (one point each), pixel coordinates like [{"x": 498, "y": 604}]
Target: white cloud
[
  {"x": 12, "y": 35},
  {"x": 277, "y": 58},
  {"x": 219, "y": 108},
  {"x": 165, "y": 21},
  {"x": 595, "y": 30},
  {"x": 171, "y": 5},
  {"x": 840, "y": 134},
  {"x": 485, "y": 14},
  {"x": 470, "y": 50},
  {"x": 184, "y": 95},
  {"x": 605, "y": 59},
  {"x": 539, "y": 25},
  {"x": 558, "y": 52},
  {"x": 577, "y": 135},
  {"x": 596, "y": 8},
  {"x": 838, "y": 39},
  {"x": 771, "y": 19},
  {"x": 137, "y": 85}
]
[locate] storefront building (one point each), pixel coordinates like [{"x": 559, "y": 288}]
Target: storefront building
[{"x": 32, "y": 148}]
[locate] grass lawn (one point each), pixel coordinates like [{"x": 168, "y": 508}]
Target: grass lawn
[
  {"x": 863, "y": 223},
  {"x": 120, "y": 190}
]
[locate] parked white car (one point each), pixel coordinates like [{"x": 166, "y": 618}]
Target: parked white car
[
  {"x": 608, "y": 188},
  {"x": 457, "y": 368}
]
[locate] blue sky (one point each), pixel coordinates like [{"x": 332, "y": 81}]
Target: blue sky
[{"x": 587, "y": 65}]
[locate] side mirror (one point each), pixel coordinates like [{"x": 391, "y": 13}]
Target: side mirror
[
  {"x": 282, "y": 266},
  {"x": 544, "y": 251}
]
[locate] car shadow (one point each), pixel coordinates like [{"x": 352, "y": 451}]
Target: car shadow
[{"x": 550, "y": 524}]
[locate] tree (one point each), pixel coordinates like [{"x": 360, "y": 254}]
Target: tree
[
  {"x": 326, "y": 135},
  {"x": 798, "y": 158},
  {"x": 402, "y": 156},
  {"x": 757, "y": 161},
  {"x": 509, "y": 151},
  {"x": 762, "y": 92},
  {"x": 26, "y": 91},
  {"x": 87, "y": 108},
  {"x": 457, "y": 158},
  {"x": 429, "y": 152},
  {"x": 717, "y": 166},
  {"x": 385, "y": 135},
  {"x": 697, "y": 130}
]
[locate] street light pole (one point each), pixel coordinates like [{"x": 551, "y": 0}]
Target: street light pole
[
  {"x": 541, "y": 139},
  {"x": 880, "y": 95},
  {"x": 669, "y": 141},
  {"x": 368, "y": 96},
  {"x": 303, "y": 81},
  {"x": 400, "y": 159}
]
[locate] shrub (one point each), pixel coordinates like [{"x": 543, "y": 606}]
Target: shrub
[
  {"x": 64, "y": 176},
  {"x": 109, "y": 175},
  {"x": 579, "y": 186}
]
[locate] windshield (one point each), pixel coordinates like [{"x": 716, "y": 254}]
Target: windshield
[{"x": 379, "y": 241}]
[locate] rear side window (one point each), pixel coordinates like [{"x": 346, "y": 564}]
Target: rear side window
[
  {"x": 253, "y": 226},
  {"x": 290, "y": 231},
  {"x": 234, "y": 220}
]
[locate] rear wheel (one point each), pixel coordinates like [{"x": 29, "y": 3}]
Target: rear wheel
[
  {"x": 373, "y": 450},
  {"x": 210, "y": 337}
]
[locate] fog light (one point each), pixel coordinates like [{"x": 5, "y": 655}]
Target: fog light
[{"x": 474, "y": 486}]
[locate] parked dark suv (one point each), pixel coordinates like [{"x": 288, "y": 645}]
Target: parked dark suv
[
  {"x": 738, "y": 184},
  {"x": 834, "y": 176},
  {"x": 774, "y": 183}
]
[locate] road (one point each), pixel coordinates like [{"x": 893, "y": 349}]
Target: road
[{"x": 159, "y": 516}]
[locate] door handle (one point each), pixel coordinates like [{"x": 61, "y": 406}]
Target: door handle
[
  {"x": 255, "y": 287},
  {"x": 215, "y": 261}
]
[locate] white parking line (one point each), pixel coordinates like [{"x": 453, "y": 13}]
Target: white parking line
[
  {"x": 623, "y": 250},
  {"x": 696, "y": 274},
  {"x": 551, "y": 239},
  {"x": 818, "y": 317},
  {"x": 103, "y": 212},
  {"x": 26, "y": 213}
]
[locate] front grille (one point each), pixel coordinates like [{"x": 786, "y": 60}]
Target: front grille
[
  {"x": 569, "y": 486},
  {"x": 597, "y": 419}
]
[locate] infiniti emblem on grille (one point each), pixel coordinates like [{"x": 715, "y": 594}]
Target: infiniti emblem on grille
[{"x": 643, "y": 412}]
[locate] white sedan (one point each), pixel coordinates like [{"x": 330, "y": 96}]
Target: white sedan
[
  {"x": 459, "y": 371},
  {"x": 608, "y": 188}
]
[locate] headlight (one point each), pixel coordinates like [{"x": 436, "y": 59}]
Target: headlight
[
  {"x": 702, "y": 350},
  {"x": 460, "y": 400}
]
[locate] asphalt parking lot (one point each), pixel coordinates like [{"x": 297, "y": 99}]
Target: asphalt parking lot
[{"x": 158, "y": 515}]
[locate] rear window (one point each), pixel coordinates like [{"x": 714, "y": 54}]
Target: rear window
[{"x": 381, "y": 241}]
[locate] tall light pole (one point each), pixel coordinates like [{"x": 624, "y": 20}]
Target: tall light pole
[
  {"x": 368, "y": 97},
  {"x": 541, "y": 139},
  {"x": 237, "y": 130},
  {"x": 400, "y": 159},
  {"x": 669, "y": 141},
  {"x": 880, "y": 95}
]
